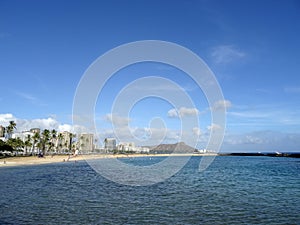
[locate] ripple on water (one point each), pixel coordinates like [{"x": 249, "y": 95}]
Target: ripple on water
[{"x": 233, "y": 190}]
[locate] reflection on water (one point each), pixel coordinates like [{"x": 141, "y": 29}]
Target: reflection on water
[{"x": 233, "y": 190}]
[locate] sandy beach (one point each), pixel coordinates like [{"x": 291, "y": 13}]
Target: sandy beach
[{"x": 34, "y": 160}]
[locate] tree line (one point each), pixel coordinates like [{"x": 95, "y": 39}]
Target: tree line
[{"x": 45, "y": 142}]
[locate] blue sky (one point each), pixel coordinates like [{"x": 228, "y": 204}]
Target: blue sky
[{"x": 252, "y": 47}]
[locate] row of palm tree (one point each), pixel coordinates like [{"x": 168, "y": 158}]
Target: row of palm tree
[
  {"x": 51, "y": 142},
  {"x": 46, "y": 142},
  {"x": 10, "y": 128}
]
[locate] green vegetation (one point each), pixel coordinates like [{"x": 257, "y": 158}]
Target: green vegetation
[{"x": 46, "y": 142}]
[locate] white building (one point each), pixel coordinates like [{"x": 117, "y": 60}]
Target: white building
[
  {"x": 2, "y": 131},
  {"x": 23, "y": 135},
  {"x": 126, "y": 147},
  {"x": 142, "y": 150},
  {"x": 85, "y": 143},
  {"x": 110, "y": 144},
  {"x": 63, "y": 142},
  {"x": 130, "y": 147}
]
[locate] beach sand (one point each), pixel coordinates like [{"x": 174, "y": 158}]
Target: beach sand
[{"x": 34, "y": 160}]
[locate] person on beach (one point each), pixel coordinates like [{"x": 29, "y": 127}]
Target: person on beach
[
  {"x": 74, "y": 155},
  {"x": 40, "y": 155}
]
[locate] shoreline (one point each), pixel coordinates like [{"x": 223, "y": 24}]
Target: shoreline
[{"x": 34, "y": 160}]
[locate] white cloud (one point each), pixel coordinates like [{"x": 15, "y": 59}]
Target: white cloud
[
  {"x": 142, "y": 136},
  {"x": 261, "y": 141},
  {"x": 117, "y": 120},
  {"x": 172, "y": 113},
  {"x": 221, "y": 105},
  {"x": 42, "y": 123},
  {"x": 224, "y": 54},
  {"x": 183, "y": 111},
  {"x": 47, "y": 123},
  {"x": 65, "y": 127},
  {"x": 5, "y": 118},
  {"x": 214, "y": 127},
  {"x": 253, "y": 140},
  {"x": 197, "y": 131},
  {"x": 151, "y": 134}
]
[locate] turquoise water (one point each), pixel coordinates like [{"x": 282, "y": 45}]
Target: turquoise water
[{"x": 233, "y": 190}]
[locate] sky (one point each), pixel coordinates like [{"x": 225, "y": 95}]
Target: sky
[{"x": 252, "y": 48}]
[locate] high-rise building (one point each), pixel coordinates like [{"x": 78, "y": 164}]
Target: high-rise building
[
  {"x": 35, "y": 130},
  {"x": 63, "y": 141},
  {"x": 110, "y": 144},
  {"x": 126, "y": 146},
  {"x": 2, "y": 131},
  {"x": 24, "y": 135},
  {"x": 85, "y": 143}
]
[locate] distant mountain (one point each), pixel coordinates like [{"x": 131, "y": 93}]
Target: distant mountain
[{"x": 180, "y": 147}]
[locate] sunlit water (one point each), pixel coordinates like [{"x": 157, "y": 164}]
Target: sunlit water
[{"x": 233, "y": 190}]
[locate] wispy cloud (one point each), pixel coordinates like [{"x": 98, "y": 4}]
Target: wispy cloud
[
  {"x": 264, "y": 91},
  {"x": 117, "y": 120},
  {"x": 27, "y": 96},
  {"x": 250, "y": 114},
  {"x": 264, "y": 140},
  {"x": 157, "y": 87},
  {"x": 292, "y": 90},
  {"x": 30, "y": 98},
  {"x": 281, "y": 116},
  {"x": 224, "y": 54},
  {"x": 183, "y": 111},
  {"x": 213, "y": 127},
  {"x": 221, "y": 105}
]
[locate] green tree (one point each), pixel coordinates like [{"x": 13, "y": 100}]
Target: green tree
[
  {"x": 71, "y": 141},
  {"x": 45, "y": 141},
  {"x": 36, "y": 139},
  {"x": 66, "y": 146},
  {"x": 53, "y": 140},
  {"x": 16, "y": 143},
  {"x": 60, "y": 138},
  {"x": 5, "y": 147},
  {"x": 10, "y": 128},
  {"x": 27, "y": 143}
]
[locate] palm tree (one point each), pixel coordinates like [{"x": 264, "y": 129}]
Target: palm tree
[
  {"x": 53, "y": 139},
  {"x": 36, "y": 139},
  {"x": 45, "y": 140},
  {"x": 60, "y": 137},
  {"x": 20, "y": 144},
  {"x": 27, "y": 143},
  {"x": 81, "y": 145},
  {"x": 71, "y": 141},
  {"x": 66, "y": 146},
  {"x": 10, "y": 128},
  {"x": 16, "y": 143}
]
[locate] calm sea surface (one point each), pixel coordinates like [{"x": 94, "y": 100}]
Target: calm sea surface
[{"x": 233, "y": 190}]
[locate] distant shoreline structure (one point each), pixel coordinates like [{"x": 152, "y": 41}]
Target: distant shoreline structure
[{"x": 270, "y": 154}]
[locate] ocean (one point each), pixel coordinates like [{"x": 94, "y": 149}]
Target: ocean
[{"x": 233, "y": 190}]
